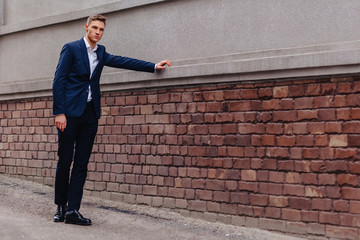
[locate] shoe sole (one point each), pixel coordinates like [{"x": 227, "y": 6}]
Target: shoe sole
[
  {"x": 58, "y": 220},
  {"x": 77, "y": 223}
]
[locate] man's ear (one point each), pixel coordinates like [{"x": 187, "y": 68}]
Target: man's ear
[{"x": 86, "y": 27}]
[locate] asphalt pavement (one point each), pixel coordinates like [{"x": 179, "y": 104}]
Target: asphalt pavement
[{"x": 27, "y": 208}]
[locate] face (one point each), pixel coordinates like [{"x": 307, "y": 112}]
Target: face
[{"x": 94, "y": 31}]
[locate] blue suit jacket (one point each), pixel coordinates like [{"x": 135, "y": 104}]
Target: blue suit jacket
[{"x": 72, "y": 77}]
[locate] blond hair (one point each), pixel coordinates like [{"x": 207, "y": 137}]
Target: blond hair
[{"x": 96, "y": 17}]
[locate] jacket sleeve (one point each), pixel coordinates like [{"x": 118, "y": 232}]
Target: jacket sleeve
[
  {"x": 128, "y": 63},
  {"x": 60, "y": 80}
]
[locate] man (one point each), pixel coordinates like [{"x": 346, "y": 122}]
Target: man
[{"x": 76, "y": 106}]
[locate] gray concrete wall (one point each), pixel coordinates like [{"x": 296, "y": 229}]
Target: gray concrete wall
[{"x": 208, "y": 40}]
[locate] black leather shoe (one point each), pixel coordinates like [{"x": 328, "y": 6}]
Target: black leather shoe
[
  {"x": 74, "y": 217},
  {"x": 60, "y": 213}
]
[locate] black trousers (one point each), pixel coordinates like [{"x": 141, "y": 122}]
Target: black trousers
[{"x": 75, "y": 145}]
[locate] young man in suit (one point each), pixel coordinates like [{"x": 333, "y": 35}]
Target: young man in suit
[{"x": 76, "y": 106}]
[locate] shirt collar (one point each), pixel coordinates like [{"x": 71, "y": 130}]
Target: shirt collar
[{"x": 89, "y": 47}]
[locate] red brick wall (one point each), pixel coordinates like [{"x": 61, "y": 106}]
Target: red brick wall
[{"x": 277, "y": 155}]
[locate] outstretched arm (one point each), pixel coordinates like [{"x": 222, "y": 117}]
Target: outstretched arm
[{"x": 162, "y": 65}]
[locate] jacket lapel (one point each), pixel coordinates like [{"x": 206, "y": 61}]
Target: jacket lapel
[{"x": 84, "y": 55}]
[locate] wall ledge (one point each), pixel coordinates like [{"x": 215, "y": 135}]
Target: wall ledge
[{"x": 311, "y": 61}]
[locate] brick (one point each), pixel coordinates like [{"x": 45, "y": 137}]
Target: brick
[
  {"x": 284, "y": 116},
  {"x": 300, "y": 128},
  {"x": 316, "y": 128},
  {"x": 249, "y": 94},
  {"x": 270, "y": 188},
  {"x": 333, "y": 127},
  {"x": 312, "y": 191},
  {"x": 215, "y": 185},
  {"x": 296, "y": 90},
  {"x": 338, "y": 141},
  {"x": 259, "y": 200},
  {"x": 243, "y": 140},
  {"x": 221, "y": 196},
  {"x": 265, "y": 92},
  {"x": 312, "y": 89},
  {"x": 351, "y": 193},
  {"x": 213, "y": 207},
  {"x": 277, "y": 177},
  {"x": 336, "y": 166},
  {"x": 248, "y": 175},
  {"x": 329, "y": 217},
  {"x": 249, "y": 186},
  {"x": 354, "y": 207},
  {"x": 333, "y": 192},
  {"x": 271, "y": 212},
  {"x": 343, "y": 114},
  {"x": 193, "y": 172},
  {"x": 204, "y": 194},
  {"x": 277, "y": 152},
  {"x": 239, "y": 197},
  {"x": 281, "y": 92},
  {"x": 196, "y": 151},
  {"x": 307, "y": 115},
  {"x": 342, "y": 206},
  {"x": 304, "y": 103},
  {"x": 309, "y": 178},
  {"x": 296, "y": 228},
  {"x": 343, "y": 87},
  {"x": 309, "y": 216},
  {"x": 149, "y": 190},
  {"x": 327, "y": 114},
  {"x": 294, "y": 190},
  {"x": 268, "y": 140},
  {"x": 285, "y": 141},
  {"x": 324, "y": 102},
  {"x": 278, "y": 201},
  {"x": 245, "y": 210},
  {"x": 292, "y": 177},
  {"x": 327, "y": 179},
  {"x": 349, "y": 220},
  {"x": 228, "y": 208},
  {"x": 351, "y": 127},
  {"x": 239, "y": 106},
  {"x": 321, "y": 204},
  {"x": 290, "y": 214},
  {"x": 176, "y": 192},
  {"x": 353, "y": 140},
  {"x": 248, "y": 128},
  {"x": 287, "y": 165},
  {"x": 310, "y": 153},
  {"x": 169, "y": 203},
  {"x": 235, "y": 151},
  {"x": 347, "y": 179},
  {"x": 299, "y": 203},
  {"x": 341, "y": 232},
  {"x": 355, "y": 113},
  {"x": 354, "y": 167},
  {"x": 264, "y": 117},
  {"x": 352, "y": 100},
  {"x": 321, "y": 141},
  {"x": 272, "y": 224},
  {"x": 315, "y": 228}
]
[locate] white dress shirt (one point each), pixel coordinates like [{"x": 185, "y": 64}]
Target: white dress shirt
[{"x": 93, "y": 61}]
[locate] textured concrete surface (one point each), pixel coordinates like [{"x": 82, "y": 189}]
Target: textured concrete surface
[
  {"x": 26, "y": 211},
  {"x": 177, "y": 30}
]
